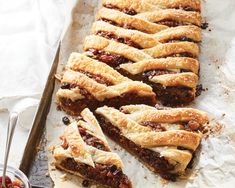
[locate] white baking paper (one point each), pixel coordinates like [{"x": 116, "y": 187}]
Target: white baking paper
[
  {"x": 29, "y": 35},
  {"x": 215, "y": 165}
]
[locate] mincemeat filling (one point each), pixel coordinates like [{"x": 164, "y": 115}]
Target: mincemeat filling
[
  {"x": 104, "y": 174},
  {"x": 124, "y": 40}
]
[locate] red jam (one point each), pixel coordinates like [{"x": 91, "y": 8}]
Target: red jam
[{"x": 12, "y": 184}]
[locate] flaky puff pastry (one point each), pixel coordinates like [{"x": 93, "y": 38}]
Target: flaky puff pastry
[
  {"x": 151, "y": 5},
  {"x": 130, "y": 121},
  {"x": 79, "y": 150},
  {"x": 80, "y": 64},
  {"x": 84, "y": 143},
  {"x": 187, "y": 79}
]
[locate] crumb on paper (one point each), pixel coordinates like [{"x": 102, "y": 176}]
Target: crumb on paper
[
  {"x": 52, "y": 165},
  {"x": 64, "y": 177},
  {"x": 212, "y": 129}
]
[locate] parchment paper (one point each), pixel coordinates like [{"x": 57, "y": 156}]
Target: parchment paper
[{"x": 215, "y": 164}]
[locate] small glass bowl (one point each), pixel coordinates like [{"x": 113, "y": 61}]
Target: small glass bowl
[{"x": 16, "y": 174}]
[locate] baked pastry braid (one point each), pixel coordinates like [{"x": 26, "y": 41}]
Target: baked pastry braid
[
  {"x": 85, "y": 152},
  {"x": 164, "y": 140},
  {"x": 133, "y": 7},
  {"x": 91, "y": 83}
]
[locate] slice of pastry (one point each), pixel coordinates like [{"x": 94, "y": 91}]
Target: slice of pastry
[
  {"x": 164, "y": 140},
  {"x": 85, "y": 152},
  {"x": 90, "y": 83}
]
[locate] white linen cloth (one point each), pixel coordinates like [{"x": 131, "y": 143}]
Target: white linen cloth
[{"x": 29, "y": 35}]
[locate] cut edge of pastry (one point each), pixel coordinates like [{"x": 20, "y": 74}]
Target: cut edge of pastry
[{"x": 84, "y": 152}]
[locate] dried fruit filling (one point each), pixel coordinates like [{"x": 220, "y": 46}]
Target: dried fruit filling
[
  {"x": 12, "y": 183},
  {"x": 129, "y": 11},
  {"x": 104, "y": 174},
  {"x": 92, "y": 140},
  {"x": 111, "y": 59},
  {"x": 151, "y": 158},
  {"x": 124, "y": 40}
]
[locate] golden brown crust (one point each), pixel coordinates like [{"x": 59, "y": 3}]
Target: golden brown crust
[
  {"x": 181, "y": 138},
  {"x": 84, "y": 64},
  {"x": 181, "y": 63},
  {"x": 179, "y": 79},
  {"x": 151, "y": 5},
  {"x": 181, "y": 16},
  {"x": 80, "y": 62},
  {"x": 168, "y": 49},
  {"x": 189, "y": 31},
  {"x": 142, "y": 113}
]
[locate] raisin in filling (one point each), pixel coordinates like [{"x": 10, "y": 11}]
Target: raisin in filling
[
  {"x": 129, "y": 11},
  {"x": 151, "y": 158},
  {"x": 183, "y": 39},
  {"x": 187, "y": 8},
  {"x": 192, "y": 125},
  {"x": 92, "y": 140},
  {"x": 126, "y": 26},
  {"x": 111, "y": 59},
  {"x": 98, "y": 78},
  {"x": 104, "y": 174},
  {"x": 124, "y": 40},
  {"x": 158, "y": 72},
  {"x": 153, "y": 125},
  {"x": 171, "y": 23}
]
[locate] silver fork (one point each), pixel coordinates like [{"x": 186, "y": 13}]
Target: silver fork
[{"x": 10, "y": 131}]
